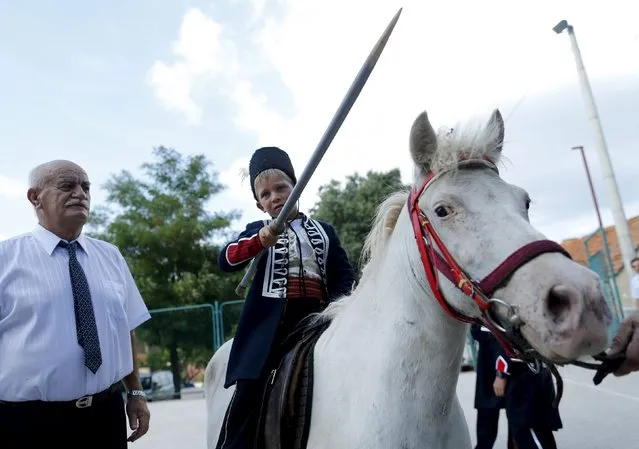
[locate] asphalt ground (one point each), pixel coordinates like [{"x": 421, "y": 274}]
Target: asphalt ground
[{"x": 594, "y": 417}]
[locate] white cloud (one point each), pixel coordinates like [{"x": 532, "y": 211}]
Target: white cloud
[
  {"x": 200, "y": 56},
  {"x": 583, "y": 224},
  {"x": 454, "y": 59},
  {"x": 253, "y": 113},
  {"x": 234, "y": 181},
  {"x": 10, "y": 188},
  {"x": 257, "y": 7}
]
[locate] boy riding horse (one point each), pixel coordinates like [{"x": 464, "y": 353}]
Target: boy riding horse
[{"x": 305, "y": 269}]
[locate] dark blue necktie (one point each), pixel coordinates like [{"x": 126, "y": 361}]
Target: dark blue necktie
[{"x": 86, "y": 329}]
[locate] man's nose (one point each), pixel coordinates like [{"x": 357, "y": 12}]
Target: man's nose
[{"x": 79, "y": 192}]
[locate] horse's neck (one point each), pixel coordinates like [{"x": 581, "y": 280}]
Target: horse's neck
[
  {"x": 394, "y": 350},
  {"x": 414, "y": 338}
]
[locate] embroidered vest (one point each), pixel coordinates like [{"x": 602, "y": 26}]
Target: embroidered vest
[{"x": 278, "y": 266}]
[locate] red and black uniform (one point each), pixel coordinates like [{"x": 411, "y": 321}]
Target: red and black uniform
[
  {"x": 488, "y": 405},
  {"x": 528, "y": 398}
]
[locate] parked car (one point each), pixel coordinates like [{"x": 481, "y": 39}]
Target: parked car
[{"x": 158, "y": 386}]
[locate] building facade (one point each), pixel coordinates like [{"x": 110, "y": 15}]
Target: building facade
[{"x": 585, "y": 248}]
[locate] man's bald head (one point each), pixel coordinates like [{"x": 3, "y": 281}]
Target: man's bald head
[
  {"x": 59, "y": 192},
  {"x": 43, "y": 174}
]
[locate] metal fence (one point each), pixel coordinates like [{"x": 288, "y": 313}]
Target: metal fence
[
  {"x": 174, "y": 347},
  {"x": 206, "y": 326},
  {"x": 600, "y": 262},
  {"x": 227, "y": 315}
]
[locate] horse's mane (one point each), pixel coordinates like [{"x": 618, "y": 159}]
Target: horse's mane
[
  {"x": 383, "y": 226},
  {"x": 374, "y": 247}
]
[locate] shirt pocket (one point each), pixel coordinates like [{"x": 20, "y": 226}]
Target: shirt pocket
[{"x": 115, "y": 300}]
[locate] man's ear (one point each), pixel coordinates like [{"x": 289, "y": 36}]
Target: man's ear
[{"x": 32, "y": 196}]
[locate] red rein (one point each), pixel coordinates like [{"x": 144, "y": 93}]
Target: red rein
[{"x": 442, "y": 261}]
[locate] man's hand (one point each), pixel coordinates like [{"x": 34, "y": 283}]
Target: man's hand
[
  {"x": 627, "y": 339},
  {"x": 268, "y": 237},
  {"x": 139, "y": 417},
  {"x": 499, "y": 386}
]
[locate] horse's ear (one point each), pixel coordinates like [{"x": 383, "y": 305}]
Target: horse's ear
[
  {"x": 423, "y": 142},
  {"x": 495, "y": 131}
]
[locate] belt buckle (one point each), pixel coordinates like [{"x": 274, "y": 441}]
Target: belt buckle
[{"x": 84, "y": 402}]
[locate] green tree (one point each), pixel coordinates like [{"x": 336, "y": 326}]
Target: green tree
[
  {"x": 351, "y": 207},
  {"x": 164, "y": 230}
]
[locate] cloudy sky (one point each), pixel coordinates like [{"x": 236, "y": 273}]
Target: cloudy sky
[{"x": 103, "y": 83}]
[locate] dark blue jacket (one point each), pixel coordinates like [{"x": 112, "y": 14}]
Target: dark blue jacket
[
  {"x": 529, "y": 395},
  {"x": 487, "y": 353},
  {"x": 266, "y": 299}
]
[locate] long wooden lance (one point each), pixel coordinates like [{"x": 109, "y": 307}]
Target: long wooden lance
[{"x": 278, "y": 225}]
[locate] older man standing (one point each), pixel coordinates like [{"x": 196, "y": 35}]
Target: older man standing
[{"x": 68, "y": 309}]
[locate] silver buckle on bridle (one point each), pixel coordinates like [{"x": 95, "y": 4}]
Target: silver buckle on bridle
[
  {"x": 84, "y": 402},
  {"x": 513, "y": 319}
]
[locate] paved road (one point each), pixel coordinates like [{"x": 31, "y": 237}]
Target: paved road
[
  {"x": 603, "y": 417},
  {"x": 594, "y": 417}
]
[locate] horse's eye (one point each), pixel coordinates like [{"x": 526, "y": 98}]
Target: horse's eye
[
  {"x": 527, "y": 204},
  {"x": 442, "y": 211}
]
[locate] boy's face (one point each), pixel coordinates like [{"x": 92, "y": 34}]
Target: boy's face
[{"x": 272, "y": 192}]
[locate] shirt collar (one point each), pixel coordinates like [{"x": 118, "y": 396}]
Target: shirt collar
[{"x": 49, "y": 241}]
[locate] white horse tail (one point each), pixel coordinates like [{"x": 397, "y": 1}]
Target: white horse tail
[{"x": 216, "y": 397}]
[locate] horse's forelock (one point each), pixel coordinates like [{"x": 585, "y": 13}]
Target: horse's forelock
[{"x": 470, "y": 140}]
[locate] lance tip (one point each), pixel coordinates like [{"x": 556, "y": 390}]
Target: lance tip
[{"x": 396, "y": 17}]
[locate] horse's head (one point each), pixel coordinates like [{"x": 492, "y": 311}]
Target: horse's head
[{"x": 482, "y": 225}]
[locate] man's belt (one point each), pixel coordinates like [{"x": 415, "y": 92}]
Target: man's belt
[{"x": 83, "y": 402}]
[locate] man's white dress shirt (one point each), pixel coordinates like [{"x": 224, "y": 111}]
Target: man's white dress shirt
[
  {"x": 634, "y": 287},
  {"x": 40, "y": 358}
]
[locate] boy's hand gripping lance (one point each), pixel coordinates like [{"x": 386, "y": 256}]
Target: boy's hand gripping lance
[{"x": 278, "y": 225}]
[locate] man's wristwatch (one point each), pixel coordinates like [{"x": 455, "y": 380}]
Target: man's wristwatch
[{"x": 133, "y": 393}]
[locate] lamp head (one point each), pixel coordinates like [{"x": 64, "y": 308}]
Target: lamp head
[{"x": 560, "y": 26}]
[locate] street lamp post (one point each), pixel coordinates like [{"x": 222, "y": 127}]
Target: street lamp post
[
  {"x": 621, "y": 224},
  {"x": 610, "y": 278},
  {"x": 590, "y": 184}
]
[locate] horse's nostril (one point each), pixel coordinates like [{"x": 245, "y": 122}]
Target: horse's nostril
[{"x": 560, "y": 302}]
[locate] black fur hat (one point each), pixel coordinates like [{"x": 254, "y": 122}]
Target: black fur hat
[{"x": 270, "y": 157}]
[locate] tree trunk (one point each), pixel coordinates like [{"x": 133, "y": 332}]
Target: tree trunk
[{"x": 175, "y": 367}]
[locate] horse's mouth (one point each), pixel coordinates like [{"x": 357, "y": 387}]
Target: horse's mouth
[{"x": 566, "y": 347}]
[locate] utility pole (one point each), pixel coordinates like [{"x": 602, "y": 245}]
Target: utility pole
[
  {"x": 610, "y": 269},
  {"x": 621, "y": 223}
]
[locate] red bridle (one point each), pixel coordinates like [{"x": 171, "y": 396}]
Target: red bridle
[{"x": 480, "y": 292}]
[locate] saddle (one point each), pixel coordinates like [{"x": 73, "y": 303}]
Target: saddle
[{"x": 286, "y": 410}]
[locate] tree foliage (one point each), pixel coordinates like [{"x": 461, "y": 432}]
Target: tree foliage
[
  {"x": 350, "y": 207},
  {"x": 164, "y": 230}
]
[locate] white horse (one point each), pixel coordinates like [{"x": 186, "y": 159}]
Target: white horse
[{"x": 386, "y": 369}]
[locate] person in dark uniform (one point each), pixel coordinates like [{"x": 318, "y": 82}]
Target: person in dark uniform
[
  {"x": 487, "y": 403},
  {"x": 527, "y": 397},
  {"x": 305, "y": 269}
]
